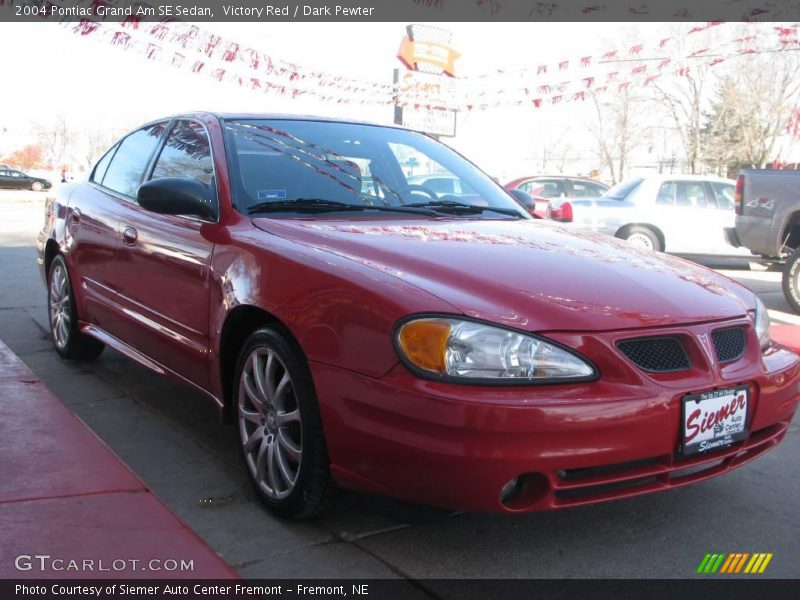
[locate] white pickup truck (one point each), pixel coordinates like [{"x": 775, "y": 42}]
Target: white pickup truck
[{"x": 767, "y": 206}]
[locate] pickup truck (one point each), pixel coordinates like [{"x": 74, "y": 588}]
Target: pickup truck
[{"x": 767, "y": 204}]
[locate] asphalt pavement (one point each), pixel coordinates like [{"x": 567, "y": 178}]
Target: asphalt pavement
[{"x": 170, "y": 436}]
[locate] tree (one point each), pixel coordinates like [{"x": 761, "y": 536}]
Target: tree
[
  {"x": 56, "y": 139},
  {"x": 684, "y": 98},
  {"x": 753, "y": 107},
  {"x": 26, "y": 158},
  {"x": 617, "y": 128}
]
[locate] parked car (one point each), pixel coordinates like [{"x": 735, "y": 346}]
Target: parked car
[
  {"x": 768, "y": 222},
  {"x": 545, "y": 188},
  {"x": 679, "y": 214},
  {"x": 17, "y": 180},
  {"x": 446, "y": 351}
]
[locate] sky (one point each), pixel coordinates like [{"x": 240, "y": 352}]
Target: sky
[{"x": 54, "y": 71}]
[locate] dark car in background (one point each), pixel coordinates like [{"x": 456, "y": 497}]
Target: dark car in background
[
  {"x": 11, "y": 179},
  {"x": 543, "y": 188}
]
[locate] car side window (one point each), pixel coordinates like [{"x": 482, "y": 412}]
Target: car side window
[
  {"x": 666, "y": 193},
  {"x": 724, "y": 193},
  {"x": 187, "y": 154},
  {"x": 692, "y": 194},
  {"x": 547, "y": 188},
  {"x": 584, "y": 189},
  {"x": 126, "y": 170},
  {"x": 102, "y": 165}
]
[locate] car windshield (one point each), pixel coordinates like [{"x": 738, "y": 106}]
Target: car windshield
[
  {"x": 301, "y": 166},
  {"x": 622, "y": 189}
]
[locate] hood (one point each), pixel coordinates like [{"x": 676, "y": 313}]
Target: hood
[{"x": 533, "y": 275}]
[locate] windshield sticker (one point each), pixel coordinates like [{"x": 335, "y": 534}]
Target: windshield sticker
[{"x": 271, "y": 195}]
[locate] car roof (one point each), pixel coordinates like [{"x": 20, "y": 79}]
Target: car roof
[
  {"x": 519, "y": 180},
  {"x": 684, "y": 177},
  {"x": 236, "y": 116}
]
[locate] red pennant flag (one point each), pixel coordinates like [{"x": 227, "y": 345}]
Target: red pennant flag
[{"x": 586, "y": 61}]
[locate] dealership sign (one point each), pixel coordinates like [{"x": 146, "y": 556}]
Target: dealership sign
[
  {"x": 427, "y": 55},
  {"x": 412, "y": 53}
]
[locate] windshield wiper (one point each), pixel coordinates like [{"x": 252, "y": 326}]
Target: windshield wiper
[
  {"x": 318, "y": 205},
  {"x": 452, "y": 207}
]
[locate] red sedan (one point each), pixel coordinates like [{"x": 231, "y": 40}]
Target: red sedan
[
  {"x": 368, "y": 333},
  {"x": 544, "y": 188}
]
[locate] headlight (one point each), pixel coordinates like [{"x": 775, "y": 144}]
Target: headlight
[
  {"x": 762, "y": 324},
  {"x": 446, "y": 347}
]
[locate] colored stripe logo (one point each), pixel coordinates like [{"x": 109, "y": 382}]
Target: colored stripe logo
[{"x": 734, "y": 563}]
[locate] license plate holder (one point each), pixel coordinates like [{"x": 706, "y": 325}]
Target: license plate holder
[{"x": 714, "y": 420}]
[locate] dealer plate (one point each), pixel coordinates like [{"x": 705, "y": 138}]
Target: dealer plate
[{"x": 714, "y": 420}]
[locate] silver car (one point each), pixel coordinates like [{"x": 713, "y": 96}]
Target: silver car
[{"x": 679, "y": 214}]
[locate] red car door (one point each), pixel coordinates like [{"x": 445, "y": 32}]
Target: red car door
[
  {"x": 92, "y": 221},
  {"x": 163, "y": 263}
]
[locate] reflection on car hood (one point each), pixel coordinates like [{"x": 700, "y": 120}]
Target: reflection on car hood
[{"x": 527, "y": 274}]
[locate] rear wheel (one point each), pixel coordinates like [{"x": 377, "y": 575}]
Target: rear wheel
[
  {"x": 644, "y": 237},
  {"x": 280, "y": 429},
  {"x": 67, "y": 339},
  {"x": 791, "y": 280}
]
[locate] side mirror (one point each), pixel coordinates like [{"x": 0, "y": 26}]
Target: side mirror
[
  {"x": 176, "y": 196},
  {"x": 524, "y": 198}
]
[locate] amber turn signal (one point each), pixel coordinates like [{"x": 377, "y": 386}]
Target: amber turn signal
[{"x": 424, "y": 341}]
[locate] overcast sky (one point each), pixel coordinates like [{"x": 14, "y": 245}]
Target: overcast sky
[{"x": 54, "y": 71}]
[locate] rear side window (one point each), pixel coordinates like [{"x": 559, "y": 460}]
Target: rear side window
[
  {"x": 692, "y": 194},
  {"x": 624, "y": 188},
  {"x": 585, "y": 189},
  {"x": 724, "y": 193},
  {"x": 126, "y": 170},
  {"x": 102, "y": 166},
  {"x": 548, "y": 188},
  {"x": 666, "y": 193},
  {"x": 187, "y": 154}
]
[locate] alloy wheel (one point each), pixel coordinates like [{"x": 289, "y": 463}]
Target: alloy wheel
[
  {"x": 270, "y": 423},
  {"x": 60, "y": 306}
]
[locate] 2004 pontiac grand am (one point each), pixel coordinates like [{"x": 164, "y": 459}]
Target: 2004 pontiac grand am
[{"x": 369, "y": 333}]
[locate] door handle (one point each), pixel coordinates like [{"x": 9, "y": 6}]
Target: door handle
[
  {"x": 129, "y": 236},
  {"x": 75, "y": 216}
]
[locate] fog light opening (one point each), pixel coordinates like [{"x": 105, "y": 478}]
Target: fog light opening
[
  {"x": 509, "y": 490},
  {"x": 524, "y": 491}
]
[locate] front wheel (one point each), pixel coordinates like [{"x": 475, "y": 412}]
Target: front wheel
[
  {"x": 791, "y": 280},
  {"x": 37, "y": 186},
  {"x": 280, "y": 429},
  {"x": 69, "y": 342}
]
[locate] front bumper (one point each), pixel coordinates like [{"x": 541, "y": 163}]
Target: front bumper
[{"x": 456, "y": 446}]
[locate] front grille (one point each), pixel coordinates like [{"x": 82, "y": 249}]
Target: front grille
[
  {"x": 658, "y": 354},
  {"x": 729, "y": 343}
]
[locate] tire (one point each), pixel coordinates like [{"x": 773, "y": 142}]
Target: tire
[
  {"x": 279, "y": 427},
  {"x": 67, "y": 339},
  {"x": 791, "y": 280},
  {"x": 37, "y": 186},
  {"x": 643, "y": 237}
]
